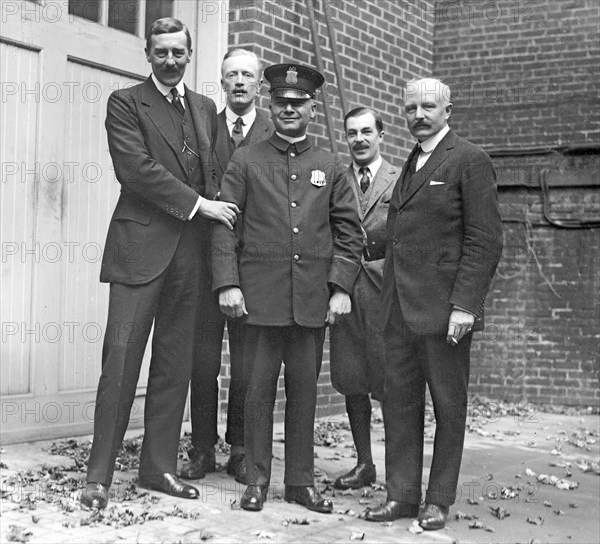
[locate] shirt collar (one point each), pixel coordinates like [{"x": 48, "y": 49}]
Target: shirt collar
[
  {"x": 427, "y": 146},
  {"x": 232, "y": 117},
  {"x": 290, "y": 139},
  {"x": 373, "y": 168},
  {"x": 166, "y": 91}
]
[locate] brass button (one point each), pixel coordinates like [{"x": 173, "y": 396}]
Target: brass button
[
  {"x": 293, "y": 176},
  {"x": 296, "y": 257},
  {"x": 293, "y": 204},
  {"x": 295, "y": 230}
]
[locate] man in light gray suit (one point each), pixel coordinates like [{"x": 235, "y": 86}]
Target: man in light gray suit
[{"x": 356, "y": 341}]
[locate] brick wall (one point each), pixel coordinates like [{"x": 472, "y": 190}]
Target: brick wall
[
  {"x": 525, "y": 76},
  {"x": 525, "y": 72}
]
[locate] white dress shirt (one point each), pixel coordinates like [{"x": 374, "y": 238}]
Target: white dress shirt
[
  {"x": 372, "y": 169},
  {"x": 232, "y": 117},
  {"x": 427, "y": 146}
]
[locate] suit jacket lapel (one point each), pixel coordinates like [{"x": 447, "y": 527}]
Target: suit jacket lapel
[
  {"x": 352, "y": 180},
  {"x": 222, "y": 148},
  {"x": 386, "y": 175},
  {"x": 439, "y": 155},
  {"x": 194, "y": 101},
  {"x": 259, "y": 130},
  {"x": 402, "y": 180},
  {"x": 156, "y": 109}
]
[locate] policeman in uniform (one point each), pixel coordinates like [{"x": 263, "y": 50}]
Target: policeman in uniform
[{"x": 299, "y": 248}]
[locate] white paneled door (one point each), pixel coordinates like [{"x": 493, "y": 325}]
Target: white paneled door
[{"x": 59, "y": 61}]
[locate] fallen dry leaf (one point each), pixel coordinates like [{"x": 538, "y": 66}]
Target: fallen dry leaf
[
  {"x": 462, "y": 515},
  {"x": 296, "y": 521},
  {"x": 539, "y": 520},
  {"x": 357, "y": 536},
  {"x": 415, "y": 528},
  {"x": 499, "y": 512},
  {"x": 263, "y": 534}
]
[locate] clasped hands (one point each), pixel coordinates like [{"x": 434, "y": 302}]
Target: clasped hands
[{"x": 231, "y": 303}]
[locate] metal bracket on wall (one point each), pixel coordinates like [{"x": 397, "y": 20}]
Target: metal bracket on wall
[{"x": 565, "y": 223}]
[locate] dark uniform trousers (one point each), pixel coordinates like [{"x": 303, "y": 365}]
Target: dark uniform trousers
[
  {"x": 301, "y": 350},
  {"x": 412, "y": 360},
  {"x": 171, "y": 298}
]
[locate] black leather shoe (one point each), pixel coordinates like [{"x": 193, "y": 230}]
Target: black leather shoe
[
  {"x": 433, "y": 517},
  {"x": 201, "y": 462},
  {"x": 392, "y": 510},
  {"x": 360, "y": 476},
  {"x": 236, "y": 467},
  {"x": 94, "y": 495},
  {"x": 254, "y": 497},
  {"x": 169, "y": 484},
  {"x": 309, "y": 497}
]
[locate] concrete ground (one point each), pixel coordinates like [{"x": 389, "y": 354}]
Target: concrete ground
[{"x": 527, "y": 477}]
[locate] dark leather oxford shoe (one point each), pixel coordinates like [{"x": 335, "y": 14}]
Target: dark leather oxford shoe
[
  {"x": 201, "y": 462},
  {"x": 360, "y": 476},
  {"x": 433, "y": 517},
  {"x": 392, "y": 510},
  {"x": 94, "y": 495},
  {"x": 254, "y": 497},
  {"x": 236, "y": 467},
  {"x": 169, "y": 484},
  {"x": 309, "y": 497}
]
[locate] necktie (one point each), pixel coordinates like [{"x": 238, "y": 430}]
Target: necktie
[
  {"x": 412, "y": 168},
  {"x": 413, "y": 163},
  {"x": 364, "y": 180},
  {"x": 237, "y": 134},
  {"x": 177, "y": 102}
]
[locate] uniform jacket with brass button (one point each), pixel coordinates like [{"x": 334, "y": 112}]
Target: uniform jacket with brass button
[
  {"x": 444, "y": 239},
  {"x": 300, "y": 229},
  {"x": 155, "y": 200}
]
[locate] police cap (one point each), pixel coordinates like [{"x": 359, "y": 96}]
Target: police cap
[{"x": 293, "y": 80}]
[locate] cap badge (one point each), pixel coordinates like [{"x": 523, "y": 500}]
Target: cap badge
[
  {"x": 317, "y": 177},
  {"x": 292, "y": 76}
]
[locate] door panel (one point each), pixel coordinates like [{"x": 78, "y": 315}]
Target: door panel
[{"x": 17, "y": 214}]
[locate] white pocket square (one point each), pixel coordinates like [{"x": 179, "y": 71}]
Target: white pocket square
[{"x": 437, "y": 183}]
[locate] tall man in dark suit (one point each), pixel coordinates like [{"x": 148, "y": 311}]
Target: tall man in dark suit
[
  {"x": 356, "y": 343},
  {"x": 299, "y": 252},
  {"x": 444, "y": 243},
  {"x": 238, "y": 125},
  {"x": 160, "y": 137}
]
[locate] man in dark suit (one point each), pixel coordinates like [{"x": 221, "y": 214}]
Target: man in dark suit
[
  {"x": 356, "y": 343},
  {"x": 160, "y": 137},
  {"x": 444, "y": 243},
  {"x": 299, "y": 255},
  {"x": 238, "y": 125}
]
